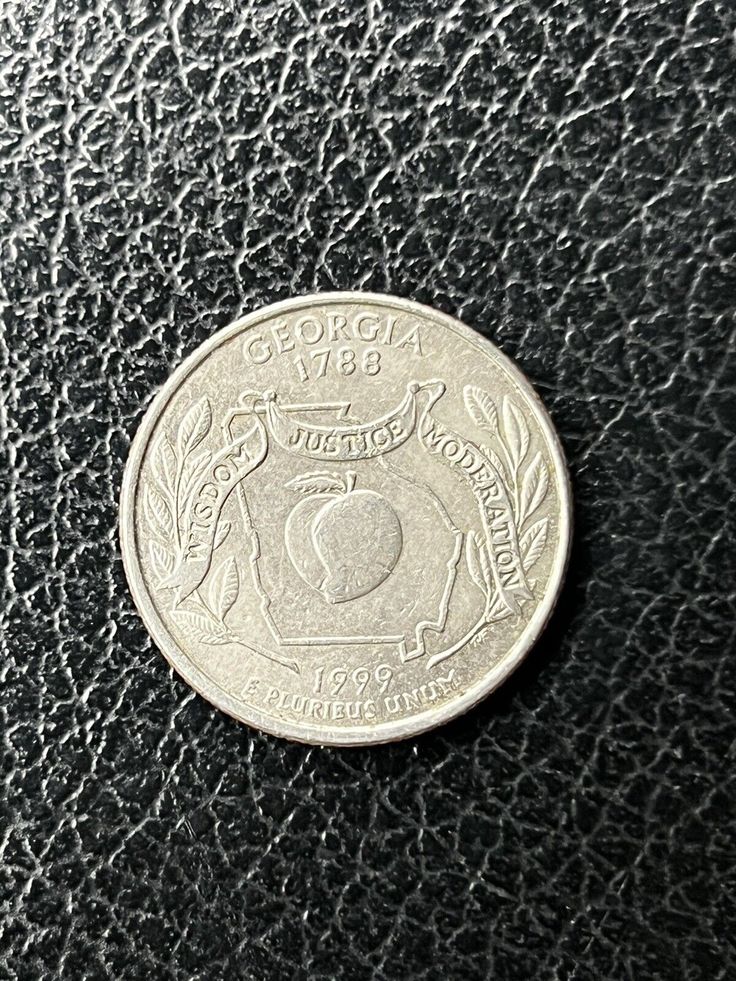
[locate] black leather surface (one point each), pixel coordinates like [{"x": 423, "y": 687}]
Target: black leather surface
[{"x": 562, "y": 177}]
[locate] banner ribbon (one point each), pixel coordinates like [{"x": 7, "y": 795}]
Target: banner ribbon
[
  {"x": 357, "y": 442},
  {"x": 223, "y": 474},
  {"x": 348, "y": 443},
  {"x": 469, "y": 463}
]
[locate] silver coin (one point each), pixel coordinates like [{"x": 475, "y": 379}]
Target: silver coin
[{"x": 345, "y": 519}]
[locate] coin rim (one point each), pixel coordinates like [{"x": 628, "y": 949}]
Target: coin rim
[{"x": 196, "y": 678}]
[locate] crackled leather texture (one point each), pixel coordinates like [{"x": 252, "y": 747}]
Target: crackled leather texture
[{"x": 561, "y": 176}]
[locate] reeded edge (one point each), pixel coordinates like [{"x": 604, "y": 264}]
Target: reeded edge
[{"x": 385, "y": 732}]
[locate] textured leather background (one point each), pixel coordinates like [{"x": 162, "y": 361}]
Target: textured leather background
[{"x": 562, "y": 177}]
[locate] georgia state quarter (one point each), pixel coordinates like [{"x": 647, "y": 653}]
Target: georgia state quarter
[{"x": 345, "y": 519}]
